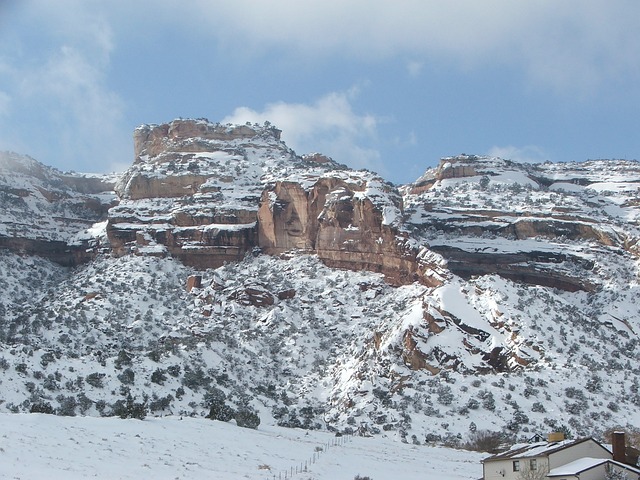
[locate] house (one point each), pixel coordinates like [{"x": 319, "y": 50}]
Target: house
[{"x": 559, "y": 459}]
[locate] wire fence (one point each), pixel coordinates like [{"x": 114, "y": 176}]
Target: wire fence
[{"x": 303, "y": 467}]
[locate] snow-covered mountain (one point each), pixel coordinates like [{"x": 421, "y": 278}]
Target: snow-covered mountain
[
  {"x": 50, "y": 213},
  {"x": 487, "y": 295}
]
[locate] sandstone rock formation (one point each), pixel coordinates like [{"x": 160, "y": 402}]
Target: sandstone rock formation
[
  {"x": 209, "y": 194},
  {"x": 457, "y": 200},
  {"x": 338, "y": 222}
]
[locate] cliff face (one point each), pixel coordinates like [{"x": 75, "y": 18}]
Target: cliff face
[
  {"x": 48, "y": 213},
  {"x": 524, "y": 222},
  {"x": 230, "y": 189},
  {"x": 325, "y": 276},
  {"x": 193, "y": 191},
  {"x": 337, "y": 221}
]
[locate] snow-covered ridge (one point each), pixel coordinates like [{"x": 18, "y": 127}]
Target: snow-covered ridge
[
  {"x": 40, "y": 203},
  {"x": 517, "y": 310}
]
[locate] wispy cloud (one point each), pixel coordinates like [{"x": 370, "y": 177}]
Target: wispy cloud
[
  {"x": 79, "y": 117},
  {"x": 328, "y": 125},
  {"x": 74, "y": 87},
  {"x": 568, "y": 46},
  {"x": 414, "y": 68},
  {"x": 526, "y": 154},
  {"x": 5, "y": 101}
]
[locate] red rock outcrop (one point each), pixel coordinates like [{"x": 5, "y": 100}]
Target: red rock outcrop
[
  {"x": 256, "y": 295},
  {"x": 195, "y": 192},
  {"x": 194, "y": 281},
  {"x": 187, "y": 136},
  {"x": 335, "y": 220},
  {"x": 412, "y": 356}
]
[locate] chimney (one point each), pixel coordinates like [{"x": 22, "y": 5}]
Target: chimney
[
  {"x": 619, "y": 448},
  {"x": 555, "y": 437}
]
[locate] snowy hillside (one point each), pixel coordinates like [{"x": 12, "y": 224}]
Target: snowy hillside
[
  {"x": 334, "y": 356},
  {"x": 172, "y": 448},
  {"x": 39, "y": 202},
  {"x": 487, "y": 295}
]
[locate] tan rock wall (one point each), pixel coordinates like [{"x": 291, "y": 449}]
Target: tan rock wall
[
  {"x": 345, "y": 230},
  {"x": 139, "y": 186},
  {"x": 184, "y": 135}
]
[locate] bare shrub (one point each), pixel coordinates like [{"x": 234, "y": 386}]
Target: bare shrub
[{"x": 485, "y": 441}]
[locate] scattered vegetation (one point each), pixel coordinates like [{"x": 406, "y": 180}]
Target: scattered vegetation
[{"x": 144, "y": 346}]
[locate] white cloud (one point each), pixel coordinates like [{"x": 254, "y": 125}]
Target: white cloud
[
  {"x": 526, "y": 154},
  {"x": 88, "y": 115},
  {"x": 81, "y": 117},
  {"x": 570, "y": 45},
  {"x": 415, "y": 68},
  {"x": 5, "y": 101},
  {"x": 74, "y": 22},
  {"x": 329, "y": 125}
]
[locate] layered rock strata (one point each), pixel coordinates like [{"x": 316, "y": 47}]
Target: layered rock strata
[
  {"x": 49, "y": 213},
  {"x": 209, "y": 194}
]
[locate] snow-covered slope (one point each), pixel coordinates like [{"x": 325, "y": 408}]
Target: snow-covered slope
[
  {"x": 308, "y": 346},
  {"x": 172, "y": 448},
  {"x": 515, "y": 312},
  {"x": 48, "y": 213}
]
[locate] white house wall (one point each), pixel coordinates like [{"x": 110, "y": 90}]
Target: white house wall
[
  {"x": 596, "y": 473},
  {"x": 492, "y": 469},
  {"x": 630, "y": 475},
  {"x": 588, "y": 448}
]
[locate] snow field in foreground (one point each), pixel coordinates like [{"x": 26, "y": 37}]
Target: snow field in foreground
[{"x": 34, "y": 446}]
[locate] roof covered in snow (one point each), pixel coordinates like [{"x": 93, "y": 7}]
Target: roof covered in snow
[
  {"x": 539, "y": 449},
  {"x": 583, "y": 464},
  {"x": 576, "y": 467}
]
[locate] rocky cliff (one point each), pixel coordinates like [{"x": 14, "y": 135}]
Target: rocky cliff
[
  {"x": 49, "y": 213},
  {"x": 487, "y": 293},
  {"x": 519, "y": 211},
  {"x": 208, "y": 194}
]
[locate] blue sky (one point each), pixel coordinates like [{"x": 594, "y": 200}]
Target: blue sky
[{"x": 389, "y": 86}]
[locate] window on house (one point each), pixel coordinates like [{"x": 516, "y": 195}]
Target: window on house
[
  {"x": 533, "y": 464},
  {"x": 516, "y": 465}
]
